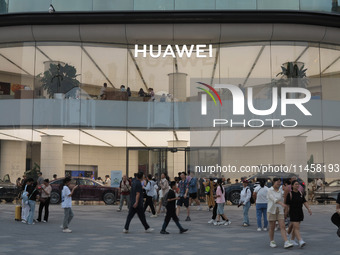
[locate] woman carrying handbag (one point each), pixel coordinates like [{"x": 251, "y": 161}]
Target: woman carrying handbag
[{"x": 46, "y": 190}]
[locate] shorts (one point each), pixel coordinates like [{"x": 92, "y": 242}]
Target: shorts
[
  {"x": 220, "y": 208},
  {"x": 276, "y": 216},
  {"x": 193, "y": 195},
  {"x": 182, "y": 201}
]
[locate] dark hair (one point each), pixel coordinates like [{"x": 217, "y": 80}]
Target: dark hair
[
  {"x": 184, "y": 173},
  {"x": 35, "y": 184},
  {"x": 262, "y": 182},
  {"x": 47, "y": 180},
  {"x": 276, "y": 179},
  {"x": 30, "y": 180},
  {"x": 293, "y": 182},
  {"x": 173, "y": 183},
  {"x": 54, "y": 176},
  {"x": 149, "y": 176},
  {"x": 219, "y": 182},
  {"x": 66, "y": 180},
  {"x": 140, "y": 175}
]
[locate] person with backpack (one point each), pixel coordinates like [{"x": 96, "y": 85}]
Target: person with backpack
[
  {"x": 33, "y": 194},
  {"x": 260, "y": 196},
  {"x": 183, "y": 186},
  {"x": 150, "y": 193},
  {"x": 193, "y": 191},
  {"x": 245, "y": 201},
  {"x": 164, "y": 189},
  {"x": 170, "y": 203},
  {"x": 295, "y": 200},
  {"x": 336, "y": 216},
  {"x": 209, "y": 192},
  {"x": 124, "y": 188}
]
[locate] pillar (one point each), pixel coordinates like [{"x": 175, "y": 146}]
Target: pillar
[
  {"x": 176, "y": 160},
  {"x": 13, "y": 159},
  {"x": 178, "y": 86},
  {"x": 51, "y": 160}
]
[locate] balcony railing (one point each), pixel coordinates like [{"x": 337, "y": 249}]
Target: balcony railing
[{"x": 28, "y": 6}]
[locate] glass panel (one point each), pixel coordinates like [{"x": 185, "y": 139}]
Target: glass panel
[
  {"x": 3, "y": 6},
  {"x": 154, "y": 5},
  {"x": 113, "y": 5},
  {"x": 236, "y": 4},
  {"x": 74, "y": 5},
  {"x": 317, "y": 5},
  {"x": 278, "y": 5},
  {"x": 194, "y": 5},
  {"x": 28, "y": 6}
]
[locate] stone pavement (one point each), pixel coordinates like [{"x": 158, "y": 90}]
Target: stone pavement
[{"x": 97, "y": 229}]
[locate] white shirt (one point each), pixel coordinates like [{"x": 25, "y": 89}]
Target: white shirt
[
  {"x": 66, "y": 200},
  {"x": 274, "y": 197},
  {"x": 245, "y": 195},
  {"x": 261, "y": 194},
  {"x": 150, "y": 191}
]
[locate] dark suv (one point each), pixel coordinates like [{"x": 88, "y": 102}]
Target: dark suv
[
  {"x": 233, "y": 191},
  {"x": 8, "y": 191},
  {"x": 88, "y": 190}
]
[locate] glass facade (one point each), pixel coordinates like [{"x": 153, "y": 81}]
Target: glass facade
[{"x": 15, "y": 6}]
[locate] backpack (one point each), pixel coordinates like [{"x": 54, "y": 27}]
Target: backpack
[
  {"x": 207, "y": 190},
  {"x": 252, "y": 200}
]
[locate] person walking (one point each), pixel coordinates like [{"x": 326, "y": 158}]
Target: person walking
[
  {"x": 193, "y": 191},
  {"x": 171, "y": 210},
  {"x": 220, "y": 201},
  {"x": 260, "y": 196},
  {"x": 150, "y": 193},
  {"x": 245, "y": 201},
  {"x": 275, "y": 212},
  {"x": 124, "y": 189},
  {"x": 46, "y": 190},
  {"x": 40, "y": 180},
  {"x": 66, "y": 204},
  {"x": 183, "y": 186},
  {"x": 164, "y": 189},
  {"x": 209, "y": 191},
  {"x": 136, "y": 199},
  {"x": 295, "y": 200}
]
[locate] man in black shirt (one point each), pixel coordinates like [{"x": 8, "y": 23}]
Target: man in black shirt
[
  {"x": 336, "y": 216},
  {"x": 171, "y": 210},
  {"x": 136, "y": 204}
]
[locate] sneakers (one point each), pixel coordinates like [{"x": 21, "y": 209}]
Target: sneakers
[
  {"x": 302, "y": 243},
  {"x": 272, "y": 244},
  {"x": 259, "y": 229},
  {"x": 287, "y": 245},
  {"x": 265, "y": 229},
  {"x": 221, "y": 223},
  {"x": 211, "y": 221},
  {"x": 119, "y": 210},
  {"x": 216, "y": 223},
  {"x": 67, "y": 230},
  {"x": 294, "y": 242},
  {"x": 164, "y": 232},
  {"x": 23, "y": 221},
  {"x": 188, "y": 219},
  {"x": 245, "y": 225},
  {"x": 199, "y": 208},
  {"x": 125, "y": 231},
  {"x": 183, "y": 230},
  {"x": 154, "y": 216},
  {"x": 149, "y": 230},
  {"x": 227, "y": 223},
  {"x": 44, "y": 221}
]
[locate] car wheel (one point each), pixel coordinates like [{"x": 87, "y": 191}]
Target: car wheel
[
  {"x": 109, "y": 198},
  {"x": 55, "y": 198},
  {"x": 235, "y": 197},
  {"x": 9, "y": 200}
]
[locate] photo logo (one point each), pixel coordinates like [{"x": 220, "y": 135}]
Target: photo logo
[{"x": 204, "y": 97}]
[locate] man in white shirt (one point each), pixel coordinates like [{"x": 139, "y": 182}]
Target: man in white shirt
[{"x": 245, "y": 201}]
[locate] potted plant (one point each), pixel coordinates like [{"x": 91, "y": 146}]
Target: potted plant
[{"x": 59, "y": 79}]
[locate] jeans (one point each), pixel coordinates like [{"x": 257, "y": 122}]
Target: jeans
[
  {"x": 43, "y": 205},
  {"x": 245, "y": 213},
  {"x": 31, "y": 204},
  {"x": 261, "y": 209},
  {"x": 68, "y": 215},
  {"x": 171, "y": 214},
  {"x": 140, "y": 212},
  {"x": 127, "y": 199}
]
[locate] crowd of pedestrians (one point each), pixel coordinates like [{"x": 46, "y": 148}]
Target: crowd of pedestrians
[{"x": 280, "y": 206}]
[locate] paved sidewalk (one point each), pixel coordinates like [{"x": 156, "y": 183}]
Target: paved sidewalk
[{"x": 98, "y": 230}]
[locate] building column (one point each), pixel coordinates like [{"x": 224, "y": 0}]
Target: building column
[
  {"x": 176, "y": 160},
  {"x": 13, "y": 159},
  {"x": 51, "y": 159},
  {"x": 296, "y": 155}
]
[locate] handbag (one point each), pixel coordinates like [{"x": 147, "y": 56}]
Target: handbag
[{"x": 42, "y": 199}]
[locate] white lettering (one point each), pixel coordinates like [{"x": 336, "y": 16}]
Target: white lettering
[
  {"x": 297, "y": 101},
  {"x": 169, "y": 52},
  {"x": 184, "y": 49},
  {"x": 140, "y": 51},
  {"x": 159, "y": 52},
  {"x": 199, "y": 51}
]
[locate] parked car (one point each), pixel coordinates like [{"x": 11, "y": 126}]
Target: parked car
[
  {"x": 233, "y": 191},
  {"x": 88, "y": 190},
  {"x": 328, "y": 192},
  {"x": 8, "y": 191}
]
